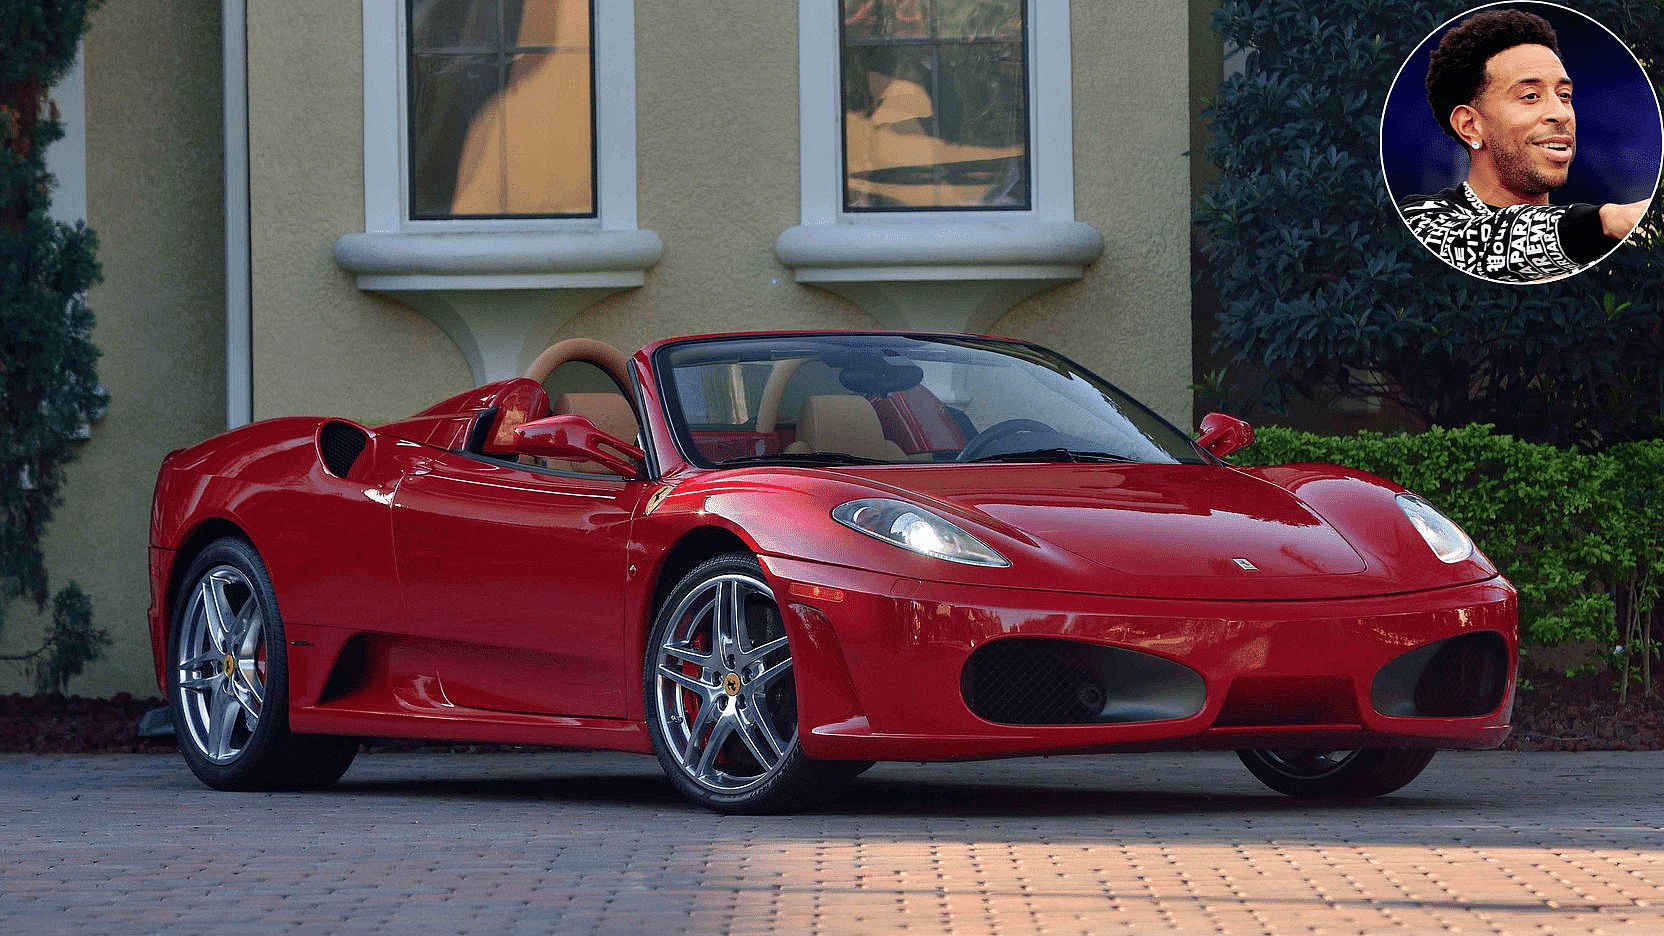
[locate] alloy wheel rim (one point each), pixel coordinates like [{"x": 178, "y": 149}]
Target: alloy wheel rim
[
  {"x": 724, "y": 696},
  {"x": 221, "y": 663}
]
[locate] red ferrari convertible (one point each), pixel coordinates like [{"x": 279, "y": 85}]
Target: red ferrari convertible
[{"x": 772, "y": 559}]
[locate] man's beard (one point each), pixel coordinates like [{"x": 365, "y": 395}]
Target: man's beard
[{"x": 1518, "y": 174}]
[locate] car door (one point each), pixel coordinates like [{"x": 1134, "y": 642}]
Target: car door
[{"x": 513, "y": 577}]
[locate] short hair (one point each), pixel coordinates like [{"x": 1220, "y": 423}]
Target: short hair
[{"x": 1456, "y": 71}]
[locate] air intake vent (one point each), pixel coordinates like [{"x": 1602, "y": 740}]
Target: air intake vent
[
  {"x": 1459, "y": 677},
  {"x": 1042, "y": 681},
  {"x": 340, "y": 444}
]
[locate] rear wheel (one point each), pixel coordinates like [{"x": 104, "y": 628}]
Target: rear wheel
[
  {"x": 228, "y": 681},
  {"x": 721, "y": 698},
  {"x": 1363, "y": 772}
]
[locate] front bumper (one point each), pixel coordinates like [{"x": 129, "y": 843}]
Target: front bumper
[{"x": 881, "y": 662}]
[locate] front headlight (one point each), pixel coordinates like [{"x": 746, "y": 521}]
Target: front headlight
[
  {"x": 914, "y": 528},
  {"x": 1446, "y": 539}
]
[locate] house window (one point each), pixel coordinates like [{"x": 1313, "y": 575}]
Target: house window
[
  {"x": 501, "y": 109},
  {"x": 936, "y": 146},
  {"x": 935, "y": 105}
]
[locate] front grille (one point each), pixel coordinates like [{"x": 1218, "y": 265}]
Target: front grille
[{"x": 1034, "y": 682}]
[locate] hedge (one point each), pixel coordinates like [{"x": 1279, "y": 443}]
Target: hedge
[{"x": 1578, "y": 534}]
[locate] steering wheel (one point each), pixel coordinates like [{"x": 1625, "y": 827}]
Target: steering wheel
[{"x": 999, "y": 431}]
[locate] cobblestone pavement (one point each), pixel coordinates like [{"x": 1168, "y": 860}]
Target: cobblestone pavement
[{"x": 431, "y": 843}]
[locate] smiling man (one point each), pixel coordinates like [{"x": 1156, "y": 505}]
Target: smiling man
[{"x": 1497, "y": 86}]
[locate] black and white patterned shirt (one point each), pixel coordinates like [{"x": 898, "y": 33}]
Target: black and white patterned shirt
[{"x": 1516, "y": 244}]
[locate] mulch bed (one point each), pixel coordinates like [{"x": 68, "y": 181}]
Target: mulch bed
[
  {"x": 55, "y": 724},
  {"x": 1582, "y": 713},
  {"x": 1557, "y": 713}
]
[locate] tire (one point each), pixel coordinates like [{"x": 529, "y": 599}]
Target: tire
[
  {"x": 228, "y": 681},
  {"x": 720, "y": 698},
  {"x": 1363, "y": 772}
]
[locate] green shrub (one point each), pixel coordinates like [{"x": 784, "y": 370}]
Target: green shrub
[
  {"x": 48, "y": 384},
  {"x": 1578, "y": 534}
]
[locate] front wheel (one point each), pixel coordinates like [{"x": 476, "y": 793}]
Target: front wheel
[
  {"x": 228, "y": 681},
  {"x": 721, "y": 698},
  {"x": 1363, "y": 772}
]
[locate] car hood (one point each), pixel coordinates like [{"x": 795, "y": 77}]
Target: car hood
[{"x": 1182, "y": 531}]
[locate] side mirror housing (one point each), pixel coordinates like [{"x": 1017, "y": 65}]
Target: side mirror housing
[
  {"x": 574, "y": 438},
  {"x": 1222, "y": 435}
]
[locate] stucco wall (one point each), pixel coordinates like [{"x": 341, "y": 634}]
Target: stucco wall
[
  {"x": 1129, "y": 317},
  {"x": 319, "y": 344},
  {"x": 718, "y": 169},
  {"x": 155, "y": 199}
]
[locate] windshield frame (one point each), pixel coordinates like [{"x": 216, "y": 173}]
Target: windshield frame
[{"x": 680, "y": 430}]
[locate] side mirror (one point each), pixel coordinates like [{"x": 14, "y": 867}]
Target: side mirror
[
  {"x": 574, "y": 438},
  {"x": 1222, "y": 435}
]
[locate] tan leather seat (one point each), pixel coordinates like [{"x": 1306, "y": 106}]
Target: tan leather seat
[{"x": 845, "y": 424}]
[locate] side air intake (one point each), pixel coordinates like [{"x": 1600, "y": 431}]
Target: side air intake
[
  {"x": 1044, "y": 681},
  {"x": 1459, "y": 677},
  {"x": 340, "y": 444}
]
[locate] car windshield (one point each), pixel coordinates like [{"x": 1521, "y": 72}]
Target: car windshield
[{"x": 857, "y": 399}]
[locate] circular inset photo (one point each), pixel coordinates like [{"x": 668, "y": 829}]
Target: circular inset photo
[{"x": 1493, "y": 161}]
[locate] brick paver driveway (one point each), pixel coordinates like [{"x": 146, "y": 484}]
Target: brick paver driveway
[{"x": 590, "y": 843}]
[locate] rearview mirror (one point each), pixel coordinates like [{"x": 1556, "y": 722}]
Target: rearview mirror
[
  {"x": 574, "y": 438},
  {"x": 1222, "y": 435}
]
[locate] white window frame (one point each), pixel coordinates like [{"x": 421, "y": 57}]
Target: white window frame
[
  {"x": 937, "y": 270},
  {"x": 1050, "y": 118},
  {"x": 387, "y": 135}
]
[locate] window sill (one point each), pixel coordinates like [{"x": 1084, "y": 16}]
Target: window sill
[
  {"x": 500, "y": 296},
  {"x": 490, "y": 260},
  {"x": 959, "y": 275}
]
